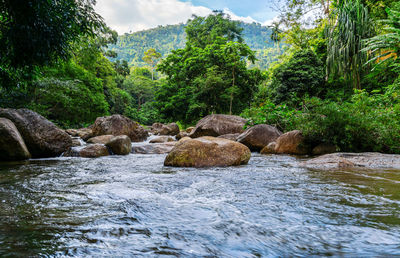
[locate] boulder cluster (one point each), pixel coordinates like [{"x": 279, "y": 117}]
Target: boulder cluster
[{"x": 216, "y": 140}]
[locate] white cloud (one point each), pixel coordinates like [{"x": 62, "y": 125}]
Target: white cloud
[
  {"x": 135, "y": 15},
  {"x": 233, "y": 16}
]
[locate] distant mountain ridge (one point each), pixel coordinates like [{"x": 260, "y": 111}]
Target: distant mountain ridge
[{"x": 164, "y": 39}]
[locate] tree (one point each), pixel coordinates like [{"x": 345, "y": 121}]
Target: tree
[
  {"x": 151, "y": 57},
  {"x": 303, "y": 75},
  {"x": 37, "y": 32},
  {"x": 209, "y": 73},
  {"x": 386, "y": 47},
  {"x": 202, "y": 31},
  {"x": 349, "y": 25}
]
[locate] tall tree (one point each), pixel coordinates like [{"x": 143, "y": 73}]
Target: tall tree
[
  {"x": 209, "y": 73},
  {"x": 350, "y": 24},
  {"x": 151, "y": 57}
]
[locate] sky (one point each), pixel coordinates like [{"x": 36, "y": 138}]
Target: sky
[{"x": 126, "y": 16}]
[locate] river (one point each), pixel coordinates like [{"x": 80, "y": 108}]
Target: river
[{"x": 134, "y": 206}]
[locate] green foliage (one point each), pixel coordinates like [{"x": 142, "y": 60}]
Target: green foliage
[
  {"x": 386, "y": 47},
  {"x": 203, "y": 31},
  {"x": 151, "y": 57},
  {"x": 350, "y": 24},
  {"x": 209, "y": 79},
  {"x": 303, "y": 75},
  {"x": 367, "y": 122},
  {"x": 280, "y": 116},
  {"x": 36, "y": 33},
  {"x": 164, "y": 39}
]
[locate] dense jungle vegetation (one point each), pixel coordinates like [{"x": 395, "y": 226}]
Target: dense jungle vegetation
[
  {"x": 337, "y": 79},
  {"x": 131, "y": 47}
]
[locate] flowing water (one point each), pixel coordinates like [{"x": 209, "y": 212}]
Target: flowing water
[{"x": 134, "y": 206}]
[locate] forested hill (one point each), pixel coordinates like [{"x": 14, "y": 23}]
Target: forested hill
[{"x": 163, "y": 39}]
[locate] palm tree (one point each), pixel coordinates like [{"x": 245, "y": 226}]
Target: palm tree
[
  {"x": 386, "y": 47},
  {"x": 349, "y": 25}
]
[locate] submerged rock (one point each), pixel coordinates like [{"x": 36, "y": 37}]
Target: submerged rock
[
  {"x": 41, "y": 136},
  {"x": 370, "y": 160},
  {"x": 207, "y": 152},
  {"x": 259, "y": 136},
  {"x": 291, "y": 143},
  {"x": 120, "y": 145},
  {"x": 12, "y": 146},
  {"x": 216, "y": 125},
  {"x": 119, "y": 125}
]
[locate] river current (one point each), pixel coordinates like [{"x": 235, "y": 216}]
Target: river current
[{"x": 124, "y": 206}]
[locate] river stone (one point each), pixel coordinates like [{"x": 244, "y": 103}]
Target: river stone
[
  {"x": 216, "y": 125},
  {"x": 102, "y": 139},
  {"x": 161, "y": 129},
  {"x": 291, "y": 143},
  {"x": 162, "y": 139},
  {"x": 119, "y": 125},
  {"x": 12, "y": 146},
  {"x": 41, "y": 136},
  {"x": 269, "y": 149},
  {"x": 76, "y": 142},
  {"x": 181, "y": 135},
  {"x": 120, "y": 145},
  {"x": 154, "y": 148},
  {"x": 94, "y": 151},
  {"x": 230, "y": 136},
  {"x": 84, "y": 133},
  {"x": 259, "y": 136},
  {"x": 207, "y": 152},
  {"x": 369, "y": 160},
  {"x": 189, "y": 129}
]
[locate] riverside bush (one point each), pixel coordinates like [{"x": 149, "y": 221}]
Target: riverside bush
[{"x": 367, "y": 122}]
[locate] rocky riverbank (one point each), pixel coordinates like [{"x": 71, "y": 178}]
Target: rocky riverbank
[{"x": 216, "y": 140}]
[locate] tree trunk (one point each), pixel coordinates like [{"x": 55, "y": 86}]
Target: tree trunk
[{"x": 233, "y": 85}]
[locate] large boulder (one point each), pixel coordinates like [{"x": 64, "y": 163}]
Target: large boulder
[
  {"x": 94, "y": 151},
  {"x": 120, "y": 145},
  {"x": 291, "y": 143},
  {"x": 41, "y": 136},
  {"x": 216, "y": 125},
  {"x": 119, "y": 125},
  {"x": 259, "y": 136},
  {"x": 207, "y": 152},
  {"x": 369, "y": 160},
  {"x": 102, "y": 139},
  {"x": 12, "y": 146},
  {"x": 161, "y": 129},
  {"x": 154, "y": 148}
]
